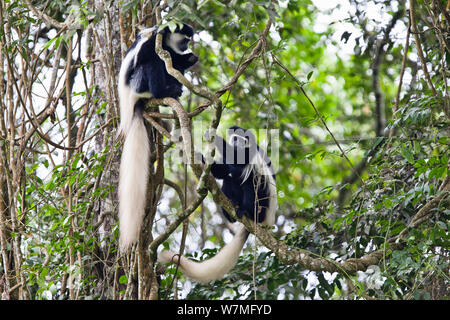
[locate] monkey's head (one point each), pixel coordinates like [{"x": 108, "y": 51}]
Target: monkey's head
[
  {"x": 178, "y": 41},
  {"x": 244, "y": 144}
]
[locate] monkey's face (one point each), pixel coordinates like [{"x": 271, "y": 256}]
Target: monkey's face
[
  {"x": 243, "y": 143},
  {"x": 240, "y": 142},
  {"x": 178, "y": 42},
  {"x": 183, "y": 43}
]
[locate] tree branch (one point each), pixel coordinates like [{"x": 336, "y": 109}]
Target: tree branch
[{"x": 307, "y": 260}]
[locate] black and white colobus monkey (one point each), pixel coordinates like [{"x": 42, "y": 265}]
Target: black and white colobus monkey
[
  {"x": 143, "y": 75},
  {"x": 249, "y": 183}
]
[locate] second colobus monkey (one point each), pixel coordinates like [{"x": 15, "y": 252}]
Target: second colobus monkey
[
  {"x": 143, "y": 75},
  {"x": 249, "y": 183}
]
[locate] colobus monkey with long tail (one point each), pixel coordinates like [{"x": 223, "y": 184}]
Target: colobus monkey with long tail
[
  {"x": 249, "y": 182},
  {"x": 143, "y": 75}
]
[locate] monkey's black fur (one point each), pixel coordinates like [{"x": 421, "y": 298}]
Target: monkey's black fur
[{"x": 243, "y": 190}]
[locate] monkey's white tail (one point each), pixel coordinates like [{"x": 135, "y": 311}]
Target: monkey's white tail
[
  {"x": 133, "y": 178},
  {"x": 211, "y": 269}
]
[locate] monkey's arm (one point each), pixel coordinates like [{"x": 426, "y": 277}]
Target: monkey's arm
[
  {"x": 221, "y": 169},
  {"x": 248, "y": 205},
  {"x": 218, "y": 170},
  {"x": 184, "y": 61}
]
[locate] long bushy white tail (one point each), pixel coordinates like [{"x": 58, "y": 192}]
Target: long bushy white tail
[
  {"x": 133, "y": 180},
  {"x": 211, "y": 269}
]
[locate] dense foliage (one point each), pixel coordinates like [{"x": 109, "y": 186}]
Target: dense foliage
[{"x": 357, "y": 90}]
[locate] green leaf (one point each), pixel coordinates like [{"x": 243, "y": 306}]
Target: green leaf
[
  {"x": 123, "y": 279},
  {"x": 408, "y": 154}
]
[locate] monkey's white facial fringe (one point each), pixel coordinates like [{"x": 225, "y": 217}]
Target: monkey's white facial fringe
[
  {"x": 241, "y": 142},
  {"x": 133, "y": 182},
  {"x": 173, "y": 40}
]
